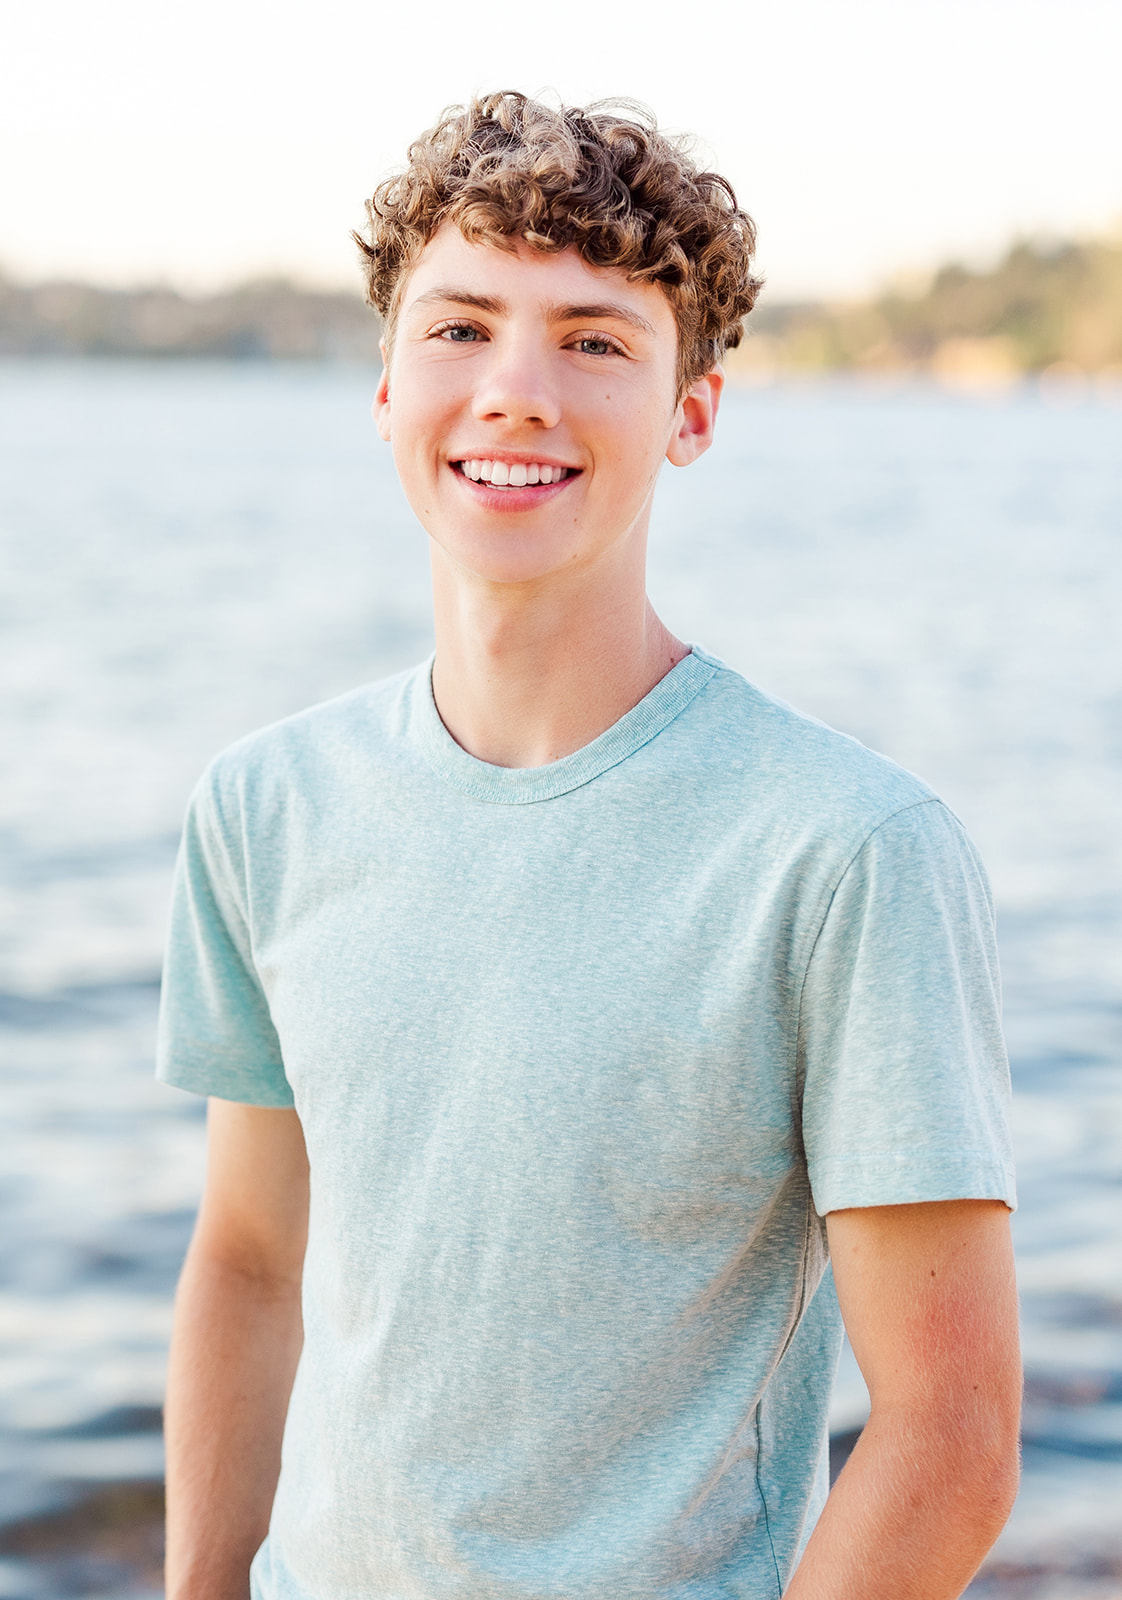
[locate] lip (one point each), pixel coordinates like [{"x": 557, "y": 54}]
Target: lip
[{"x": 525, "y": 498}]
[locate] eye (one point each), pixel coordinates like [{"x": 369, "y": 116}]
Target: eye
[
  {"x": 592, "y": 345},
  {"x": 458, "y": 333}
]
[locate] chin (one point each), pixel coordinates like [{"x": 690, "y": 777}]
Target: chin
[{"x": 510, "y": 558}]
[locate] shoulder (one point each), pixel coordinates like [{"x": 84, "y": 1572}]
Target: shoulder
[
  {"x": 759, "y": 753},
  {"x": 304, "y": 757}
]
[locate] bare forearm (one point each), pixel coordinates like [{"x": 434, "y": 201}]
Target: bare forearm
[
  {"x": 912, "y": 1515},
  {"x": 234, "y": 1352}
]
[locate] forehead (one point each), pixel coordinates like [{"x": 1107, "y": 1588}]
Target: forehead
[{"x": 526, "y": 279}]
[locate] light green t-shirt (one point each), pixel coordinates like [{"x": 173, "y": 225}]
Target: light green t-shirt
[{"x": 583, "y": 1054}]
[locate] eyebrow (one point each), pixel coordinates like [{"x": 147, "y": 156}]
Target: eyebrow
[{"x": 604, "y": 310}]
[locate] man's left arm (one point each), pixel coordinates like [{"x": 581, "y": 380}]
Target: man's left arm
[{"x": 929, "y": 1300}]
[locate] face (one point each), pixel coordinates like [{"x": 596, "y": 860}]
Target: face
[{"x": 530, "y": 402}]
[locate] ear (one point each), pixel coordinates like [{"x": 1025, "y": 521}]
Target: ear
[
  {"x": 695, "y": 419},
  {"x": 381, "y": 407}
]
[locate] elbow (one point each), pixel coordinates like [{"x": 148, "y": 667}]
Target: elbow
[
  {"x": 992, "y": 1428},
  {"x": 979, "y": 1461},
  {"x": 991, "y": 1476},
  {"x": 1003, "y": 1463},
  {"x": 963, "y": 1458},
  {"x": 232, "y": 1267}
]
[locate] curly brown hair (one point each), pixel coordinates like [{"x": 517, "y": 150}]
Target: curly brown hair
[{"x": 601, "y": 178}]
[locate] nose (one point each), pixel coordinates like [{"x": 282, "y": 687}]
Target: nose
[{"x": 517, "y": 383}]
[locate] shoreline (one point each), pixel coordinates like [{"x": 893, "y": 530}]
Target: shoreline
[{"x": 109, "y": 1541}]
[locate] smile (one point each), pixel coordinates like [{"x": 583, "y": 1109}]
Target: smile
[{"x": 513, "y": 474}]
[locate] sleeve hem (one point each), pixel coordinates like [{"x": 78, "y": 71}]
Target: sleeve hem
[
  {"x": 225, "y": 1083},
  {"x": 840, "y": 1183}
]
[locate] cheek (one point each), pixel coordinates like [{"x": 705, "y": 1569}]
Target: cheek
[
  {"x": 639, "y": 434},
  {"x": 414, "y": 417}
]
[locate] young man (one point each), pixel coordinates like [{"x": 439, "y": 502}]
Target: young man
[{"x": 592, "y": 996}]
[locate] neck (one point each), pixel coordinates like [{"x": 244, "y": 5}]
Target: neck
[{"x": 527, "y": 673}]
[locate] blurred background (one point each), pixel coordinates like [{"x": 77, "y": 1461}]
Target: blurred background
[{"x": 911, "y": 526}]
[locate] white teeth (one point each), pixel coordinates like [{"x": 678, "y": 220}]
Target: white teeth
[{"x": 514, "y": 475}]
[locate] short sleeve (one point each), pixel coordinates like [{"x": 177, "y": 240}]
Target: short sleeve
[
  {"x": 902, "y": 1066},
  {"x": 216, "y": 1036}
]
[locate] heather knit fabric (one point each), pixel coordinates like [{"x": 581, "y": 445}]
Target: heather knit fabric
[{"x": 583, "y": 1054}]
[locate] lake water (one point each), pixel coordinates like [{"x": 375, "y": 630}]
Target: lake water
[{"x": 187, "y": 552}]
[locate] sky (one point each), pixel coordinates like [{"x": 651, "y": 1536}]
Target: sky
[{"x": 204, "y": 144}]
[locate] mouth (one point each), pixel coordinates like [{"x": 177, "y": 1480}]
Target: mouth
[{"x": 513, "y": 474}]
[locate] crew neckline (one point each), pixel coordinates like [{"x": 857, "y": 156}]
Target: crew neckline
[{"x": 480, "y": 780}]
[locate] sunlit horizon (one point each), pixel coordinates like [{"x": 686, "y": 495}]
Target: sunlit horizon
[{"x": 871, "y": 145}]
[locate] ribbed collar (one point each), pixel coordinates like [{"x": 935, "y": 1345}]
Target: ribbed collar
[{"x": 514, "y": 786}]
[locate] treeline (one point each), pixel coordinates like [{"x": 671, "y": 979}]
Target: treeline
[
  {"x": 1041, "y": 308},
  {"x": 266, "y": 320}
]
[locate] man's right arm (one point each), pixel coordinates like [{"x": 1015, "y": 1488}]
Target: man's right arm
[{"x": 235, "y": 1345}]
